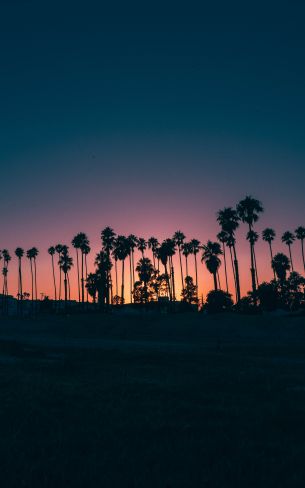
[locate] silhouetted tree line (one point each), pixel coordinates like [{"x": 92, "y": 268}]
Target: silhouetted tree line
[{"x": 154, "y": 280}]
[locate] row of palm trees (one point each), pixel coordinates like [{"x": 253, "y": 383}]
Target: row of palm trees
[{"x": 119, "y": 248}]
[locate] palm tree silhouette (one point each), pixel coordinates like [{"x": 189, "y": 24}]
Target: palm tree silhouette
[
  {"x": 122, "y": 245},
  {"x": 30, "y": 255},
  {"x": 92, "y": 285},
  {"x": 300, "y": 235},
  {"x": 85, "y": 249},
  {"x": 163, "y": 254},
  {"x": 145, "y": 270},
  {"x": 19, "y": 253},
  {"x": 6, "y": 259},
  {"x": 52, "y": 252},
  {"x": 179, "y": 240},
  {"x": 248, "y": 211},
  {"x": 58, "y": 249},
  {"x": 223, "y": 237},
  {"x": 142, "y": 245},
  {"x": 210, "y": 255},
  {"x": 288, "y": 238},
  {"x": 171, "y": 251},
  {"x": 229, "y": 222},
  {"x": 186, "y": 251},
  {"x": 77, "y": 242},
  {"x": 115, "y": 256},
  {"x": 108, "y": 239},
  {"x": 194, "y": 246},
  {"x": 153, "y": 244},
  {"x": 281, "y": 265},
  {"x": 133, "y": 241},
  {"x": 269, "y": 235},
  {"x": 252, "y": 237},
  {"x": 65, "y": 263}
]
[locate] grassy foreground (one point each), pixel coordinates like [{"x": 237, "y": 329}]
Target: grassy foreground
[{"x": 170, "y": 401}]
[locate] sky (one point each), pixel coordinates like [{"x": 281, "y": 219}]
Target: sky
[{"x": 149, "y": 117}]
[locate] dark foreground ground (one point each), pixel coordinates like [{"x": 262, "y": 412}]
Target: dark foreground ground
[{"x": 170, "y": 401}]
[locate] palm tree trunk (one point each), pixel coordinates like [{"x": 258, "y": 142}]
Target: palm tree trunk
[
  {"x": 35, "y": 271},
  {"x": 225, "y": 263},
  {"x": 168, "y": 283},
  {"x": 78, "y": 283},
  {"x": 82, "y": 279},
  {"x": 130, "y": 277},
  {"x": 303, "y": 256},
  {"x": 271, "y": 256},
  {"x": 186, "y": 266},
  {"x": 236, "y": 275},
  {"x": 173, "y": 278},
  {"x": 86, "y": 270},
  {"x": 66, "y": 291},
  {"x": 218, "y": 277},
  {"x": 116, "y": 278},
  {"x": 59, "y": 293},
  {"x": 290, "y": 254},
  {"x": 123, "y": 269},
  {"x": 215, "y": 281},
  {"x": 196, "y": 272},
  {"x": 32, "y": 278},
  {"x": 54, "y": 280},
  {"x": 181, "y": 270},
  {"x": 256, "y": 272}
]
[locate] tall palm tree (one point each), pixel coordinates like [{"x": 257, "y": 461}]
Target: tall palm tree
[
  {"x": 248, "y": 211},
  {"x": 115, "y": 255},
  {"x": 269, "y": 235},
  {"x": 29, "y": 255},
  {"x": 179, "y": 240},
  {"x": 163, "y": 255},
  {"x": 281, "y": 265},
  {"x": 145, "y": 270},
  {"x": 194, "y": 246},
  {"x": 210, "y": 255},
  {"x": 186, "y": 251},
  {"x": 19, "y": 253},
  {"x": 108, "y": 239},
  {"x": 229, "y": 222},
  {"x": 142, "y": 245},
  {"x": 122, "y": 249},
  {"x": 153, "y": 244},
  {"x": 300, "y": 235},
  {"x": 35, "y": 253},
  {"x": 6, "y": 259},
  {"x": 77, "y": 242},
  {"x": 52, "y": 252},
  {"x": 288, "y": 239},
  {"x": 171, "y": 251},
  {"x": 252, "y": 237},
  {"x": 85, "y": 249},
  {"x": 223, "y": 237},
  {"x": 58, "y": 249},
  {"x": 65, "y": 263},
  {"x": 133, "y": 242}
]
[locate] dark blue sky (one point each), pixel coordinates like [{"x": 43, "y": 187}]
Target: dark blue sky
[{"x": 203, "y": 101}]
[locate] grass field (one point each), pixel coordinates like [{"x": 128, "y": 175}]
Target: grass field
[{"x": 149, "y": 401}]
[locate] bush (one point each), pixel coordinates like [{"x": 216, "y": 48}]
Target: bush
[{"x": 218, "y": 301}]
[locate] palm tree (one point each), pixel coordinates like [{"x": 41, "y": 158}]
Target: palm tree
[
  {"x": 223, "y": 238},
  {"x": 281, "y": 265},
  {"x": 269, "y": 235},
  {"x": 163, "y": 254},
  {"x": 65, "y": 263},
  {"x": 92, "y": 285},
  {"x": 29, "y": 255},
  {"x": 35, "y": 253},
  {"x": 122, "y": 245},
  {"x": 142, "y": 245},
  {"x": 104, "y": 265},
  {"x": 52, "y": 251},
  {"x": 19, "y": 253},
  {"x": 133, "y": 241},
  {"x": 288, "y": 238},
  {"x": 300, "y": 235},
  {"x": 186, "y": 251},
  {"x": 77, "y": 242},
  {"x": 171, "y": 251},
  {"x": 179, "y": 240},
  {"x": 248, "y": 211},
  {"x": 6, "y": 259},
  {"x": 85, "y": 249},
  {"x": 229, "y": 222},
  {"x": 194, "y": 245},
  {"x": 108, "y": 239},
  {"x": 153, "y": 244},
  {"x": 252, "y": 237},
  {"x": 145, "y": 270},
  {"x": 210, "y": 255},
  {"x": 58, "y": 249}
]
